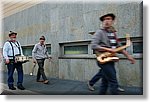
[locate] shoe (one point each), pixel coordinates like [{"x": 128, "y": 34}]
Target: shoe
[
  {"x": 46, "y": 82},
  {"x": 12, "y": 88},
  {"x": 39, "y": 80},
  {"x": 90, "y": 87},
  {"x": 20, "y": 87},
  {"x": 121, "y": 89}
]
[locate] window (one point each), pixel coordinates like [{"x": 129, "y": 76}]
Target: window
[
  {"x": 76, "y": 49},
  {"x": 137, "y": 47},
  {"x": 48, "y": 46},
  {"x": 27, "y": 50}
]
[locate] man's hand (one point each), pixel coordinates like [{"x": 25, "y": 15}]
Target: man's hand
[
  {"x": 7, "y": 61},
  {"x": 112, "y": 50},
  {"x": 34, "y": 61},
  {"x": 108, "y": 49},
  {"x": 50, "y": 58},
  {"x": 131, "y": 59}
]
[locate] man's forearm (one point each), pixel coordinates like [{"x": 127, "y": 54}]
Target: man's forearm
[
  {"x": 125, "y": 53},
  {"x": 100, "y": 48},
  {"x": 33, "y": 56}
]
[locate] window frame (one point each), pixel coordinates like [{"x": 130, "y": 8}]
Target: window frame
[
  {"x": 140, "y": 40},
  {"x": 27, "y": 46},
  {"x": 75, "y": 56},
  {"x": 49, "y": 45},
  {"x": 130, "y": 48}
]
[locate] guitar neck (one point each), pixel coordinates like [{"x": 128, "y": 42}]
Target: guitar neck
[{"x": 120, "y": 48}]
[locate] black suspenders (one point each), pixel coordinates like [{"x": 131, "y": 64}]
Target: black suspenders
[
  {"x": 13, "y": 49},
  {"x": 19, "y": 48}
]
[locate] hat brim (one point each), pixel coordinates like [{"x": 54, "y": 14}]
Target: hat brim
[
  {"x": 42, "y": 39},
  {"x": 111, "y": 15},
  {"x": 12, "y": 34}
]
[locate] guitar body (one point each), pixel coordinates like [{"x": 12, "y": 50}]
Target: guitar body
[{"x": 107, "y": 56}]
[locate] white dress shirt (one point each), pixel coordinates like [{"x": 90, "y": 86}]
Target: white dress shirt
[{"x": 7, "y": 49}]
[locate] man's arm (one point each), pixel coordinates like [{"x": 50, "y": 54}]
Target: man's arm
[
  {"x": 34, "y": 52},
  {"x": 96, "y": 40},
  {"x": 5, "y": 52},
  {"x": 47, "y": 54},
  {"x": 130, "y": 58}
]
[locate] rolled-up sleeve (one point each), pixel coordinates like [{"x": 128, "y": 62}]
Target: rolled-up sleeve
[{"x": 96, "y": 40}]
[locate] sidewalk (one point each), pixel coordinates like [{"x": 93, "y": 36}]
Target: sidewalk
[{"x": 58, "y": 87}]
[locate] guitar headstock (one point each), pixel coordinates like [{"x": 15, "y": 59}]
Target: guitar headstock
[
  {"x": 128, "y": 43},
  {"x": 127, "y": 35}
]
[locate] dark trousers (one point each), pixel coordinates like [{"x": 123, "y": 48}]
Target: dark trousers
[
  {"x": 95, "y": 78},
  {"x": 11, "y": 68},
  {"x": 109, "y": 78},
  {"x": 41, "y": 69}
]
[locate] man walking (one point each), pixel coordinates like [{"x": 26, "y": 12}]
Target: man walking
[
  {"x": 105, "y": 40},
  {"x": 11, "y": 49},
  {"x": 39, "y": 54}
]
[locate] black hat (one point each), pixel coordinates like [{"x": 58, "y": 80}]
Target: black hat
[
  {"x": 109, "y": 14},
  {"x": 42, "y": 38},
  {"x": 11, "y": 32}
]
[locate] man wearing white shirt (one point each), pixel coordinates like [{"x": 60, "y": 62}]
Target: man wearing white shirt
[{"x": 11, "y": 49}]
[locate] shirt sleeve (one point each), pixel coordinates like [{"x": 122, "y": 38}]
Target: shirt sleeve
[
  {"x": 34, "y": 51},
  {"x": 5, "y": 50},
  {"x": 96, "y": 40}
]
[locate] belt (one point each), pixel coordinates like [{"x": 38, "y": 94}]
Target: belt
[{"x": 10, "y": 57}]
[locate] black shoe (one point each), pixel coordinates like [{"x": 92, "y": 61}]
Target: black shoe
[
  {"x": 20, "y": 87},
  {"x": 46, "y": 82},
  {"x": 12, "y": 88},
  {"x": 39, "y": 80}
]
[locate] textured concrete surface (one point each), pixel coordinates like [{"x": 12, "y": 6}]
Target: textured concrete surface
[{"x": 58, "y": 87}]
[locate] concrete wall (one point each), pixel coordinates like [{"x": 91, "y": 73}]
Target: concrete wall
[{"x": 67, "y": 22}]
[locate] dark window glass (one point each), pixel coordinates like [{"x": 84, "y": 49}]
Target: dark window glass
[
  {"x": 49, "y": 49},
  {"x": 137, "y": 47},
  {"x": 27, "y": 51}
]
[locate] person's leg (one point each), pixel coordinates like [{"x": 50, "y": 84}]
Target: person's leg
[
  {"x": 20, "y": 75},
  {"x": 41, "y": 69},
  {"x": 110, "y": 75},
  {"x": 38, "y": 74},
  {"x": 95, "y": 78},
  {"x": 103, "y": 86},
  {"x": 10, "y": 80},
  {"x": 20, "y": 72}
]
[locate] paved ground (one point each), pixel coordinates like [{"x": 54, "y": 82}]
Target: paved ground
[{"x": 58, "y": 87}]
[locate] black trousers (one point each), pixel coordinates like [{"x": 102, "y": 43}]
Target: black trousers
[
  {"x": 96, "y": 78},
  {"x": 109, "y": 78},
  {"x": 41, "y": 69}
]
